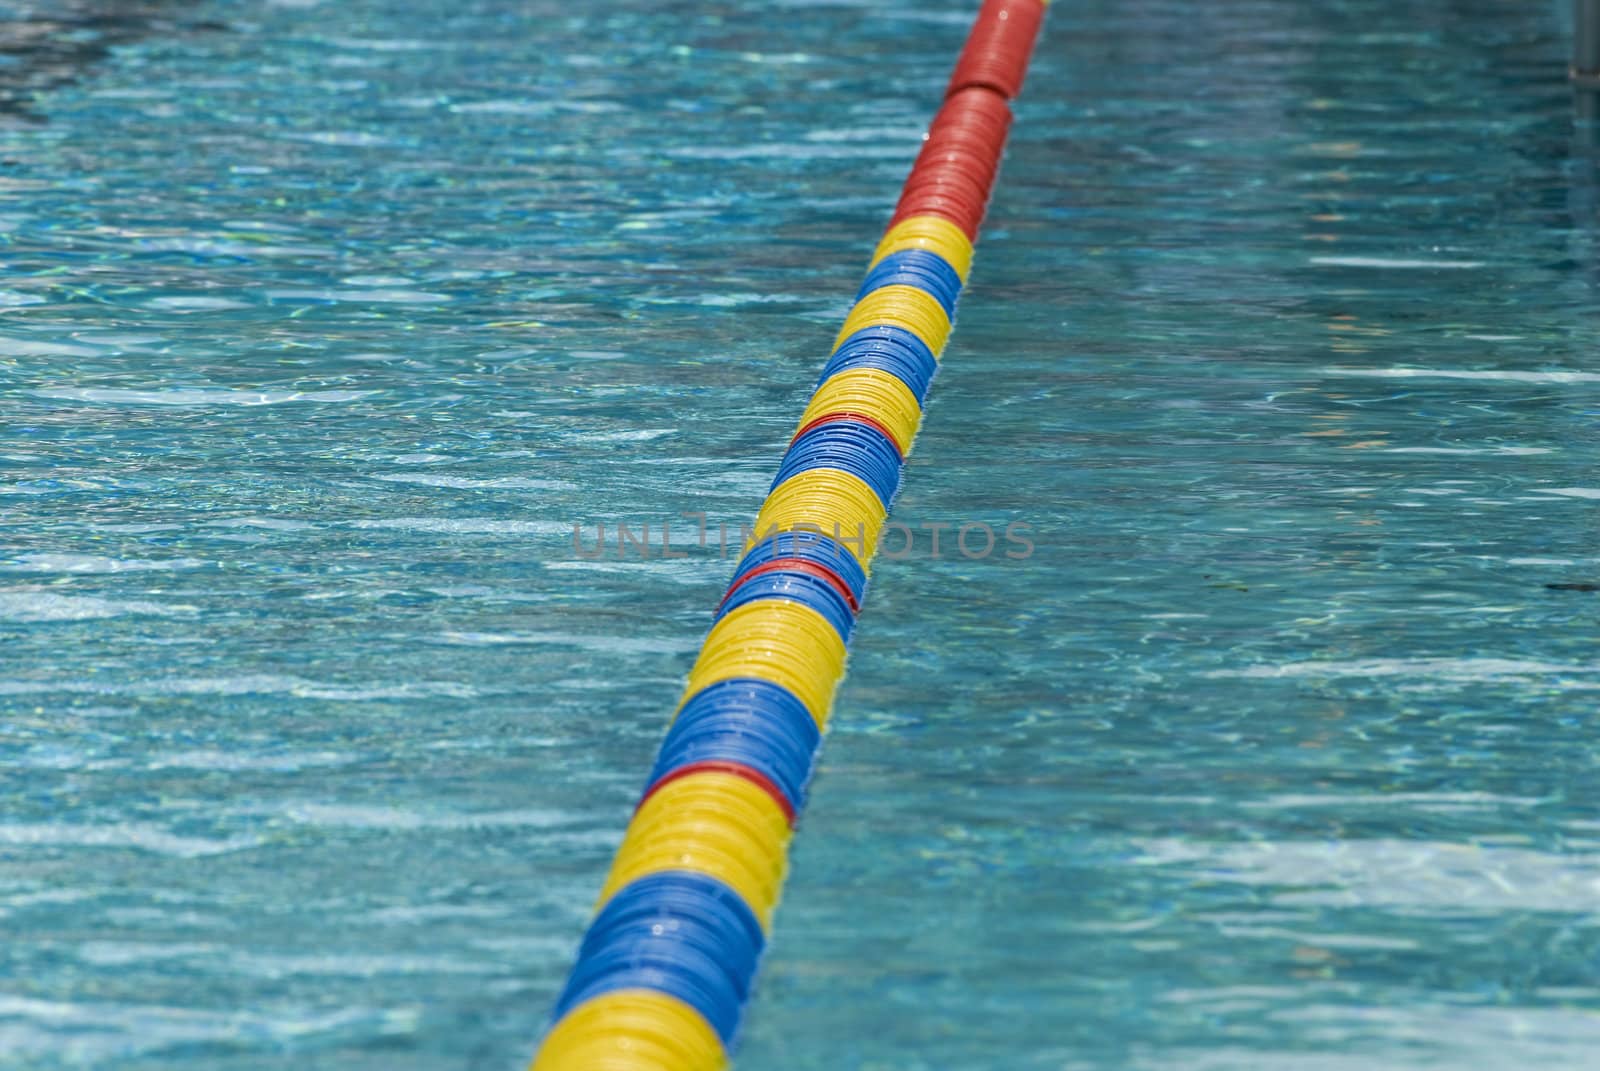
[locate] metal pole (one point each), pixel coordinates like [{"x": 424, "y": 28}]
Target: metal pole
[{"x": 1586, "y": 43}]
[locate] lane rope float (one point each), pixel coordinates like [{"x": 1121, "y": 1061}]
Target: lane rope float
[{"x": 665, "y": 970}]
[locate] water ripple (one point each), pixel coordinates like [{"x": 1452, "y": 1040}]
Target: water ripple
[
  {"x": 33, "y": 605},
  {"x": 195, "y": 396}
]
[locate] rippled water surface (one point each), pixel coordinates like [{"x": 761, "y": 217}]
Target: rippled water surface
[{"x": 323, "y": 323}]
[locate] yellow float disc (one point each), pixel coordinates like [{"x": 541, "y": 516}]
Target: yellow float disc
[
  {"x": 872, "y": 392},
  {"x": 899, "y": 305},
  {"x": 631, "y": 1030},
  {"x": 933, "y": 233}
]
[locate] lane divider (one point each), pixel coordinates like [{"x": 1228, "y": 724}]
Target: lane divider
[{"x": 663, "y": 975}]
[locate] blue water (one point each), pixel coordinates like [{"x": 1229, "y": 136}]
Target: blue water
[{"x": 325, "y": 322}]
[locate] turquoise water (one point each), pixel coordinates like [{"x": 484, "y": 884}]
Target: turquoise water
[{"x": 324, "y": 323}]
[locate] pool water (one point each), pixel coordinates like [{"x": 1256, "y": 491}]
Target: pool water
[{"x": 324, "y": 323}]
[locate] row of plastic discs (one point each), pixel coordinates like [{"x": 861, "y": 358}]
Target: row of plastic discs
[
  {"x": 997, "y": 49},
  {"x": 666, "y": 968},
  {"x": 811, "y": 548},
  {"x": 638, "y": 1027},
  {"x": 932, "y": 233},
  {"x": 872, "y": 392},
  {"x": 713, "y": 822},
  {"x": 967, "y": 134},
  {"x": 835, "y": 502},
  {"x": 956, "y": 168},
  {"x": 901, "y": 305},
  {"x": 919, "y": 268},
  {"x": 888, "y": 348},
  {"x": 748, "y": 722},
  {"x": 680, "y": 933},
  {"x": 801, "y": 586},
  {"x": 705, "y": 852},
  {"x": 675, "y": 945},
  {"x": 858, "y": 446}
]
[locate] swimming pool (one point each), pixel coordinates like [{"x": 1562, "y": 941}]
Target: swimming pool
[{"x": 326, "y": 323}]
